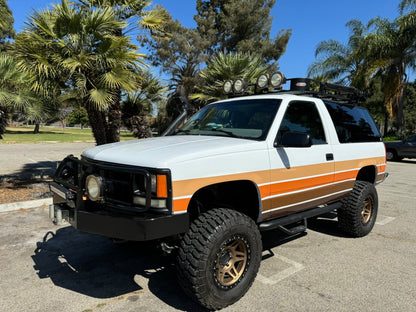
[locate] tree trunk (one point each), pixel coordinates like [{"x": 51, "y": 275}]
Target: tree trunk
[
  {"x": 98, "y": 125},
  {"x": 400, "y": 114},
  {"x": 37, "y": 126},
  {"x": 114, "y": 119},
  {"x": 386, "y": 123}
]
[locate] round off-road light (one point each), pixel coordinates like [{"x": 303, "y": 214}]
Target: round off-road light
[
  {"x": 94, "y": 187},
  {"x": 277, "y": 80},
  {"x": 227, "y": 86},
  {"x": 238, "y": 86},
  {"x": 262, "y": 81}
]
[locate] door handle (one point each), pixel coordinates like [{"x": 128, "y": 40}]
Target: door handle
[{"x": 329, "y": 157}]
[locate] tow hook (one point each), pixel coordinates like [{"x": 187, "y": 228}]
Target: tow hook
[{"x": 166, "y": 249}]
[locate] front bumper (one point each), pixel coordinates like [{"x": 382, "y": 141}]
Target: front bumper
[{"x": 122, "y": 227}]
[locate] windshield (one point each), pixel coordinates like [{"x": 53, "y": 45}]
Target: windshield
[{"x": 246, "y": 119}]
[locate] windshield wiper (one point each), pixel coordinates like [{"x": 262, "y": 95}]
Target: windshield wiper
[
  {"x": 226, "y": 132},
  {"x": 186, "y": 131}
]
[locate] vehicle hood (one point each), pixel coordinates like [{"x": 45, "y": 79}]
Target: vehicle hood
[{"x": 162, "y": 152}]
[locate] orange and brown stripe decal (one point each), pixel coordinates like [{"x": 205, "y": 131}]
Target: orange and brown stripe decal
[{"x": 300, "y": 184}]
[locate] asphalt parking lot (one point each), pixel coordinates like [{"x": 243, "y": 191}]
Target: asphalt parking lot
[{"x": 49, "y": 268}]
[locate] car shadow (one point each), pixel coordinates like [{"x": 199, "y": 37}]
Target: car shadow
[
  {"x": 327, "y": 224},
  {"x": 95, "y": 266}
]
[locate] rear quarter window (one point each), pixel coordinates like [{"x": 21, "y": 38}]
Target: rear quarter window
[{"x": 353, "y": 123}]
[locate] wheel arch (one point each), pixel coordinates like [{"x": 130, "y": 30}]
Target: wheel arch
[
  {"x": 240, "y": 195},
  {"x": 367, "y": 173}
]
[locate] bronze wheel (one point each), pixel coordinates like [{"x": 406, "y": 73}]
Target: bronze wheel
[
  {"x": 231, "y": 262},
  {"x": 367, "y": 210},
  {"x": 219, "y": 257},
  {"x": 358, "y": 213}
]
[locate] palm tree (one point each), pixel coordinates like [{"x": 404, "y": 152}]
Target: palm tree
[
  {"x": 391, "y": 49},
  {"x": 76, "y": 51},
  {"x": 138, "y": 105},
  {"x": 14, "y": 94},
  {"x": 339, "y": 62},
  {"x": 136, "y": 14},
  {"x": 227, "y": 66}
]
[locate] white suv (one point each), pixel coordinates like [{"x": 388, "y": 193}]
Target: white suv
[{"x": 237, "y": 167}]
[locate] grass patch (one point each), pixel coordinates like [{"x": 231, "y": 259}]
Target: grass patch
[{"x": 50, "y": 134}]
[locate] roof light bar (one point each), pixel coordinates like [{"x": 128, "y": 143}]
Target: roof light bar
[
  {"x": 277, "y": 80},
  {"x": 239, "y": 85}
]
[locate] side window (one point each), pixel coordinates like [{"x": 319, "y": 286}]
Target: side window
[
  {"x": 353, "y": 123},
  {"x": 303, "y": 117}
]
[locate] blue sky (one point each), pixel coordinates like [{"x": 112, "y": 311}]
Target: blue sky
[{"x": 310, "y": 21}]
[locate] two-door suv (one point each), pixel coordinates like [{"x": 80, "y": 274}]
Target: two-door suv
[{"x": 250, "y": 163}]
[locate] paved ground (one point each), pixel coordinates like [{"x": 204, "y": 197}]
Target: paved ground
[
  {"x": 48, "y": 268},
  {"x": 35, "y": 160}
]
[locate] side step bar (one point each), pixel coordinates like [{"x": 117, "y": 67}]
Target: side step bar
[
  {"x": 296, "y": 217},
  {"x": 296, "y": 229}
]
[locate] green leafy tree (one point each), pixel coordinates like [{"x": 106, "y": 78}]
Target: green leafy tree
[
  {"x": 240, "y": 26},
  {"x": 78, "y": 116},
  {"x": 409, "y": 107},
  {"x": 76, "y": 52},
  {"x": 6, "y": 24}
]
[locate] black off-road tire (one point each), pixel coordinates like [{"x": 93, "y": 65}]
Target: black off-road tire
[
  {"x": 359, "y": 210},
  {"x": 219, "y": 240}
]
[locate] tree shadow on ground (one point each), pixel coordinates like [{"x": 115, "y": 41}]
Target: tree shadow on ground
[{"x": 40, "y": 170}]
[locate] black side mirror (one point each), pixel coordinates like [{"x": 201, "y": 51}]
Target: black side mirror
[{"x": 294, "y": 139}]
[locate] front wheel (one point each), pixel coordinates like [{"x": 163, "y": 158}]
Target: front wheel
[
  {"x": 219, "y": 257},
  {"x": 358, "y": 213}
]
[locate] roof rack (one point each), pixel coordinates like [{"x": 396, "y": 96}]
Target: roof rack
[
  {"x": 325, "y": 90},
  {"x": 299, "y": 86}
]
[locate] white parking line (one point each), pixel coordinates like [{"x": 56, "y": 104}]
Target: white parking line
[
  {"x": 271, "y": 280},
  {"x": 384, "y": 220}
]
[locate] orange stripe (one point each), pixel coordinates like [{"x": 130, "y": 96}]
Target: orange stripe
[
  {"x": 291, "y": 186},
  {"x": 181, "y": 204}
]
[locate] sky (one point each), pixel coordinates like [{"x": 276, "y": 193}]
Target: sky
[{"x": 310, "y": 21}]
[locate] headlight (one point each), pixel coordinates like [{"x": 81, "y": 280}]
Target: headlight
[{"x": 94, "y": 187}]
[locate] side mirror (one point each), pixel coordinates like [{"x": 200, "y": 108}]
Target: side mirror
[{"x": 294, "y": 139}]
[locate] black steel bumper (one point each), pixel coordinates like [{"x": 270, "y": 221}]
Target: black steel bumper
[
  {"x": 139, "y": 227},
  {"x": 122, "y": 227},
  {"x": 135, "y": 229}
]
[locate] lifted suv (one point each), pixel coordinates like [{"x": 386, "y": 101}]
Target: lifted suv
[{"x": 239, "y": 166}]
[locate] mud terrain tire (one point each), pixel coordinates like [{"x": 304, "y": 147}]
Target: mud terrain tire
[
  {"x": 219, "y": 257},
  {"x": 359, "y": 210}
]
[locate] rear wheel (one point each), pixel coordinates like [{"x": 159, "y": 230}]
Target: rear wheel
[
  {"x": 391, "y": 155},
  {"x": 219, "y": 258},
  {"x": 359, "y": 211}
]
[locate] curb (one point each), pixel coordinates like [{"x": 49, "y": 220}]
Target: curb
[{"x": 26, "y": 204}]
